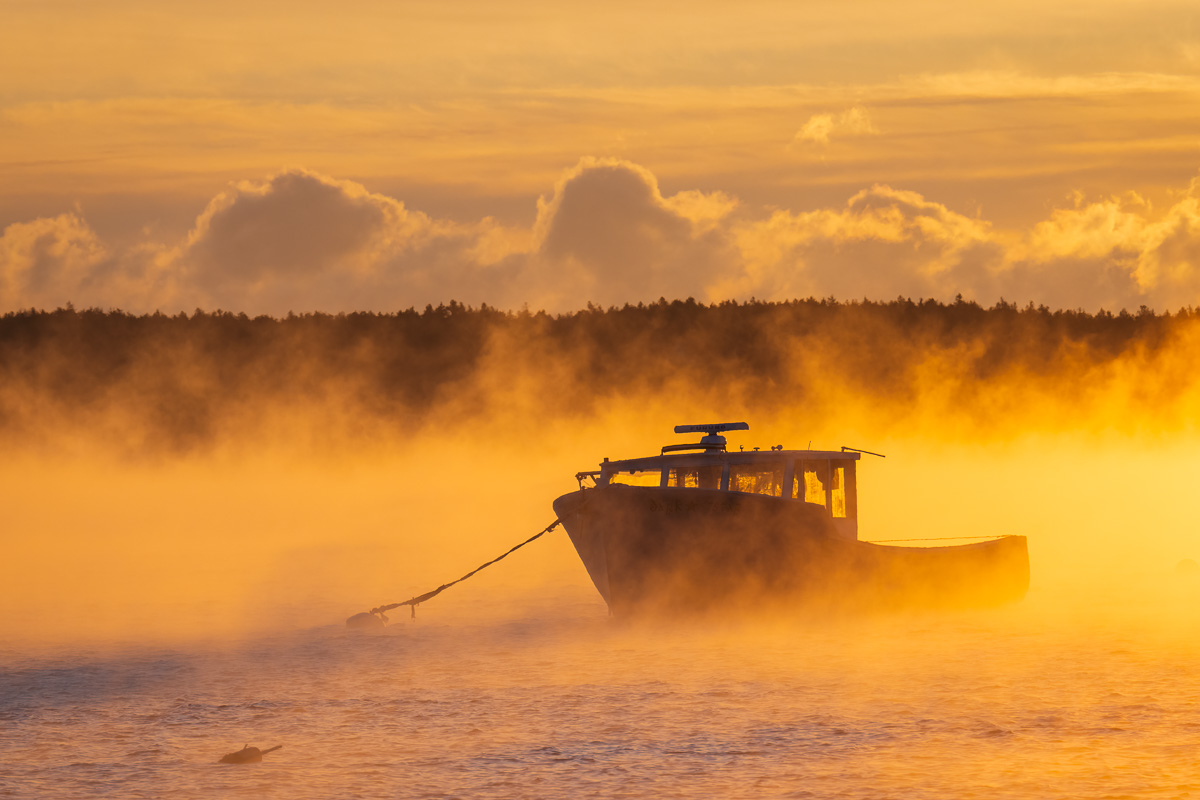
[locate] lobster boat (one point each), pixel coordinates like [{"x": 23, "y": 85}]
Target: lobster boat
[{"x": 700, "y": 529}]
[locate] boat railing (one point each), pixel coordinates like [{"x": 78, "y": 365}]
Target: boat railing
[{"x": 582, "y": 476}]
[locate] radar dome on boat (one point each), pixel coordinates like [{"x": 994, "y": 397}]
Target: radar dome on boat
[
  {"x": 713, "y": 427},
  {"x": 712, "y": 439}
]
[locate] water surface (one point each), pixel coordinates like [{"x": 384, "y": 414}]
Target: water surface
[{"x": 1046, "y": 699}]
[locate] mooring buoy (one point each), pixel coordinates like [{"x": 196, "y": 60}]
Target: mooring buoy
[{"x": 364, "y": 621}]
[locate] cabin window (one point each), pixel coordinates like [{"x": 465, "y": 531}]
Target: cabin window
[
  {"x": 695, "y": 477},
  {"x": 846, "y": 488},
  {"x": 838, "y": 491},
  {"x": 638, "y": 478},
  {"x": 811, "y": 479},
  {"x": 757, "y": 478}
]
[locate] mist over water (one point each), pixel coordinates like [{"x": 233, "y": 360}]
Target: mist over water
[
  {"x": 560, "y": 702},
  {"x": 166, "y": 602}
]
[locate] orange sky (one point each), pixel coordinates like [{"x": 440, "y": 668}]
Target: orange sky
[{"x": 271, "y": 156}]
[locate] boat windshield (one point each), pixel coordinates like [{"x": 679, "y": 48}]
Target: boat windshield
[
  {"x": 757, "y": 478},
  {"x": 638, "y": 478},
  {"x": 825, "y": 482},
  {"x": 708, "y": 477}
]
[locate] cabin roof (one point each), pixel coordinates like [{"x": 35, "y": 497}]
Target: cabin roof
[{"x": 724, "y": 457}]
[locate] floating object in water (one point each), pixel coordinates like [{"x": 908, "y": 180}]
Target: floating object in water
[
  {"x": 365, "y": 621},
  {"x": 698, "y": 529},
  {"x": 247, "y": 755}
]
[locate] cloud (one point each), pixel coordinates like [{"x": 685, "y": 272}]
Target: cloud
[
  {"x": 821, "y": 128},
  {"x": 42, "y": 258},
  {"x": 293, "y": 235},
  {"x": 1112, "y": 253},
  {"x": 884, "y": 242},
  {"x": 608, "y": 235},
  {"x": 296, "y": 224},
  {"x": 304, "y": 241},
  {"x": 1123, "y": 248},
  {"x": 300, "y": 241}
]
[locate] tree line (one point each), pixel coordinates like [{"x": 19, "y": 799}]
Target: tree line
[{"x": 182, "y": 382}]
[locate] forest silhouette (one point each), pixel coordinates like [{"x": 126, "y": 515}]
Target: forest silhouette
[{"x": 185, "y": 383}]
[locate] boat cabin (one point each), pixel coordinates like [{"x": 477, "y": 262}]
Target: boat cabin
[{"x": 821, "y": 477}]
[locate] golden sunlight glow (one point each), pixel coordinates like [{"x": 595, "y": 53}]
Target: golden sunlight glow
[
  {"x": 1014, "y": 151},
  {"x": 310, "y": 308}
]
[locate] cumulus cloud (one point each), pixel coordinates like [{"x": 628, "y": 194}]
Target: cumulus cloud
[
  {"x": 606, "y": 233},
  {"x": 300, "y": 241},
  {"x": 39, "y": 259},
  {"x": 1118, "y": 250},
  {"x": 884, "y": 242},
  {"x": 822, "y": 128},
  {"x": 295, "y": 225},
  {"x": 296, "y": 239},
  {"x": 1113, "y": 253}
]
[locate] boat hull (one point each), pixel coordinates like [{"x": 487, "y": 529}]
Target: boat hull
[{"x": 667, "y": 551}]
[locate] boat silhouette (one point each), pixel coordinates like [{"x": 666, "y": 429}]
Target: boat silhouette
[{"x": 698, "y": 529}]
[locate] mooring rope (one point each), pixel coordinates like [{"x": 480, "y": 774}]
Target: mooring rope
[
  {"x": 938, "y": 538},
  {"x": 415, "y": 601}
]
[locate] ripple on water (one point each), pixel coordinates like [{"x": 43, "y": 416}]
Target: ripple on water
[{"x": 538, "y": 710}]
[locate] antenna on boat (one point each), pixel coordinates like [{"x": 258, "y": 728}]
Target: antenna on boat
[{"x": 865, "y": 452}]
